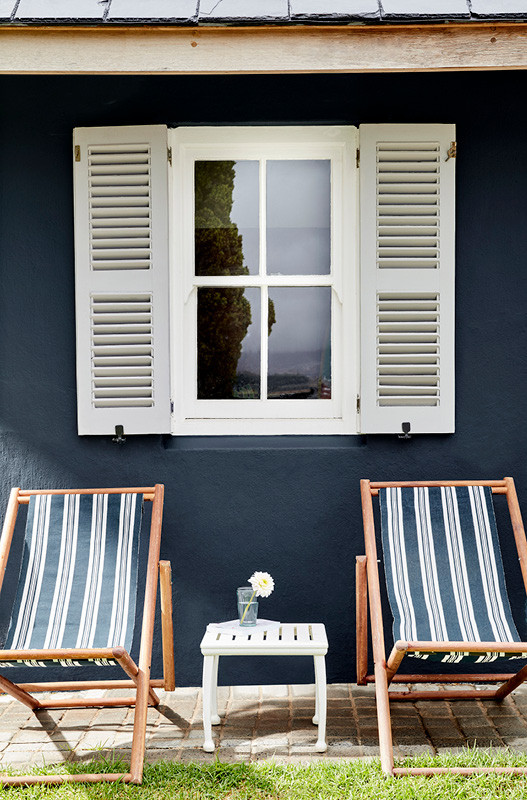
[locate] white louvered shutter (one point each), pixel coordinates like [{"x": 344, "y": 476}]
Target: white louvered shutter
[
  {"x": 121, "y": 258},
  {"x": 407, "y": 195}
]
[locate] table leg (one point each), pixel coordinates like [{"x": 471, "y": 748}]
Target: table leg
[
  {"x": 214, "y": 716},
  {"x": 321, "y": 702},
  {"x": 208, "y": 672}
]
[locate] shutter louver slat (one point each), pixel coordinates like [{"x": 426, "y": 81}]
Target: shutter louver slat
[
  {"x": 407, "y": 276},
  {"x": 111, "y": 206},
  {"x": 121, "y": 194},
  {"x": 121, "y": 239},
  {"x": 104, "y": 221},
  {"x": 105, "y": 190}
]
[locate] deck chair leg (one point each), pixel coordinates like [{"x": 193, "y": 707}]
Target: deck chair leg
[
  {"x": 383, "y": 718},
  {"x": 147, "y": 632},
  {"x": 19, "y": 694},
  {"x": 139, "y": 735},
  {"x": 509, "y": 686}
]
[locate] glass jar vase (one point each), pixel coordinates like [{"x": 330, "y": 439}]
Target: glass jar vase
[{"x": 247, "y": 606}]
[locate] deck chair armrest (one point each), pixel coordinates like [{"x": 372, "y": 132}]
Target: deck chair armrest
[
  {"x": 361, "y": 605},
  {"x": 167, "y": 627}
]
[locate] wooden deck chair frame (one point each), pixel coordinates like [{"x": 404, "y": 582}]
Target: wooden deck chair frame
[
  {"x": 385, "y": 671},
  {"x": 138, "y": 675}
]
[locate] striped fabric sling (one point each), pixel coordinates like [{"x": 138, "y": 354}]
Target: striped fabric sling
[
  {"x": 78, "y": 578},
  {"x": 443, "y": 568}
]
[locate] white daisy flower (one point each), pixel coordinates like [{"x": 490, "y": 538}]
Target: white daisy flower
[{"x": 262, "y": 584}]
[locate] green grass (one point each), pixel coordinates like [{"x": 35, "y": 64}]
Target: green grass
[{"x": 356, "y": 780}]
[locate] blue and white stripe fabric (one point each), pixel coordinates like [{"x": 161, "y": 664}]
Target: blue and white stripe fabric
[
  {"x": 78, "y": 577},
  {"x": 443, "y": 568}
]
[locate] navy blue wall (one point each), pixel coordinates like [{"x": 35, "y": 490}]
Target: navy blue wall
[{"x": 286, "y": 505}]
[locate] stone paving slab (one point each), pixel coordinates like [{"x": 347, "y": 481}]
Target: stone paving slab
[{"x": 260, "y": 722}]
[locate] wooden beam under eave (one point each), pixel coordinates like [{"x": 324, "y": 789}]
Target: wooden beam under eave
[{"x": 167, "y": 50}]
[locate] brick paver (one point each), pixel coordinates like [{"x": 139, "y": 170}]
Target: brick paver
[{"x": 260, "y": 722}]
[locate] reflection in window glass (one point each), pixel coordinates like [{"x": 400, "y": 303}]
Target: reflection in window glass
[
  {"x": 300, "y": 344},
  {"x": 298, "y": 217},
  {"x": 226, "y": 233},
  {"x": 228, "y": 343}
]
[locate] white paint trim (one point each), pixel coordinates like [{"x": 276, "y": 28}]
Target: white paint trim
[{"x": 200, "y": 417}]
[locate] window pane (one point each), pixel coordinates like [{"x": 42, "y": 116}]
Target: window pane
[
  {"x": 300, "y": 343},
  {"x": 228, "y": 343},
  {"x": 298, "y": 217},
  {"x": 226, "y": 217}
]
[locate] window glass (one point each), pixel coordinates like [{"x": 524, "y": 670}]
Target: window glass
[
  {"x": 226, "y": 202},
  {"x": 298, "y": 217},
  {"x": 300, "y": 343},
  {"x": 228, "y": 343}
]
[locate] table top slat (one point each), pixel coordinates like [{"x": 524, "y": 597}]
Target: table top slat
[
  {"x": 273, "y": 635},
  {"x": 289, "y": 634},
  {"x": 304, "y": 633}
]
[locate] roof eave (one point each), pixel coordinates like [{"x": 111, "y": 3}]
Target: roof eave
[{"x": 220, "y": 49}]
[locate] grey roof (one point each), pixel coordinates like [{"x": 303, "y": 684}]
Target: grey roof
[{"x": 254, "y": 12}]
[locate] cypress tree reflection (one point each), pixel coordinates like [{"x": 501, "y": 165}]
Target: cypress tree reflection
[{"x": 224, "y": 314}]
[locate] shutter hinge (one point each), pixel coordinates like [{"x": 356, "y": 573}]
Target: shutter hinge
[
  {"x": 357, "y": 158},
  {"x": 358, "y": 404},
  {"x": 169, "y": 155},
  {"x": 452, "y": 151},
  {"x": 77, "y": 152},
  {"x": 171, "y": 406}
]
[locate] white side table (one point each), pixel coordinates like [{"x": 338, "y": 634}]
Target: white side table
[{"x": 290, "y": 639}]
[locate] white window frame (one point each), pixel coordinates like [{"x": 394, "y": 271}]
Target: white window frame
[{"x": 265, "y": 417}]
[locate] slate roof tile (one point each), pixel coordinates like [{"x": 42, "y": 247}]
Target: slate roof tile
[
  {"x": 424, "y": 9},
  {"x": 499, "y": 8},
  {"x": 6, "y": 9},
  {"x": 241, "y": 10},
  {"x": 60, "y": 10},
  {"x": 231, "y": 12},
  {"x": 153, "y": 10},
  {"x": 334, "y": 9}
]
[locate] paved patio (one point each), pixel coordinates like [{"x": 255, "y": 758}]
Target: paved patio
[{"x": 260, "y": 722}]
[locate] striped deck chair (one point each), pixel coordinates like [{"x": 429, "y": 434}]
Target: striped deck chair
[
  {"x": 446, "y": 588},
  {"x": 75, "y": 604}
]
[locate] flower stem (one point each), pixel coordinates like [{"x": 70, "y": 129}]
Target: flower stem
[{"x": 247, "y": 607}]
